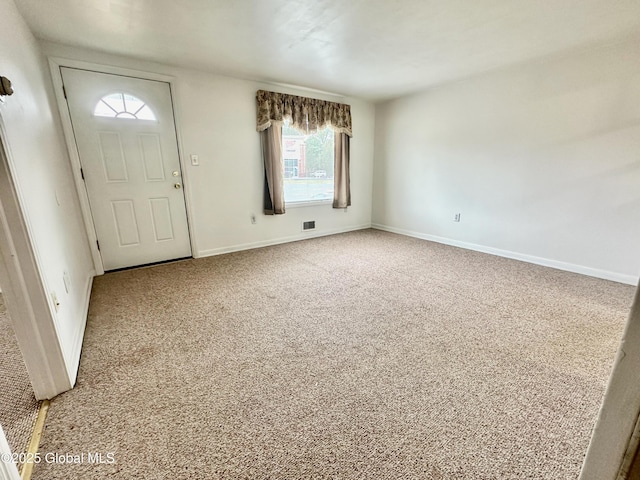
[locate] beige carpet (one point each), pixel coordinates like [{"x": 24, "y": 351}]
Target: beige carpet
[
  {"x": 18, "y": 406},
  {"x": 365, "y": 355}
]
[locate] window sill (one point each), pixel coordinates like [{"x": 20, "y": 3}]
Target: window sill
[{"x": 309, "y": 203}]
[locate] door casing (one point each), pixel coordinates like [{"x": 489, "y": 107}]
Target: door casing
[
  {"x": 23, "y": 288},
  {"x": 148, "y": 203},
  {"x": 54, "y": 65}
]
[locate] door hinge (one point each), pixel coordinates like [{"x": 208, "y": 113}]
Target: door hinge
[
  {"x": 64, "y": 91},
  {"x": 82, "y": 173},
  {"x": 98, "y": 243}
]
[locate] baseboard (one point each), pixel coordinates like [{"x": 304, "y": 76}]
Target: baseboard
[
  {"x": 277, "y": 241},
  {"x": 73, "y": 359},
  {"x": 569, "y": 267}
]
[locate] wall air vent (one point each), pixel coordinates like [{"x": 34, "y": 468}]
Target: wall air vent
[{"x": 311, "y": 225}]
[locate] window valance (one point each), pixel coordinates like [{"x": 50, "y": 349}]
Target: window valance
[{"x": 305, "y": 114}]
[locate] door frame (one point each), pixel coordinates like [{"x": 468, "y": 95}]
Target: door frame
[
  {"x": 24, "y": 292},
  {"x": 56, "y": 76},
  {"x": 612, "y": 439}
]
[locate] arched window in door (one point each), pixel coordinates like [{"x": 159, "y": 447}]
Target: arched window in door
[{"x": 123, "y": 105}]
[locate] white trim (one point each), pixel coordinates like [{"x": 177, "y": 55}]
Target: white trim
[
  {"x": 569, "y": 267},
  {"x": 613, "y": 433},
  {"x": 101, "y": 68},
  {"x": 184, "y": 165},
  {"x": 73, "y": 356},
  {"x": 54, "y": 65},
  {"x": 277, "y": 241},
  {"x": 8, "y": 470},
  {"x": 24, "y": 290},
  {"x": 74, "y": 157},
  {"x": 307, "y": 203}
]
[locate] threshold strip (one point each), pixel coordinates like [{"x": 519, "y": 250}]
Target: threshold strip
[{"x": 27, "y": 468}]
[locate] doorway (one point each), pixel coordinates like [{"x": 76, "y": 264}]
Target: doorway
[{"x": 125, "y": 135}]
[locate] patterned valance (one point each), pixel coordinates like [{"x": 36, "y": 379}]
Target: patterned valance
[{"x": 306, "y": 114}]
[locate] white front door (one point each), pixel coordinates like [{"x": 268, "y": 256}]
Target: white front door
[{"x": 126, "y": 138}]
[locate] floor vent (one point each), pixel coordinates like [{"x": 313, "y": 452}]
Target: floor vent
[{"x": 309, "y": 225}]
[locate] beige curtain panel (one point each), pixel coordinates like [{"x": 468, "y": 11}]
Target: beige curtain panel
[
  {"x": 341, "y": 180},
  {"x": 271, "y": 142},
  {"x": 307, "y": 115}
]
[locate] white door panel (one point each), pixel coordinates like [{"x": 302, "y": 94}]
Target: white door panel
[{"x": 131, "y": 166}]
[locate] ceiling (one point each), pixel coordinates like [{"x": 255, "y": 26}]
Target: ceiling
[{"x": 374, "y": 49}]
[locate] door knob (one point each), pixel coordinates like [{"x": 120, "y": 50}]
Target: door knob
[
  {"x": 175, "y": 173},
  {"x": 177, "y": 186}
]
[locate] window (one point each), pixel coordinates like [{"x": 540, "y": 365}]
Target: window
[
  {"x": 308, "y": 165},
  {"x": 309, "y": 159},
  {"x": 122, "y": 105}
]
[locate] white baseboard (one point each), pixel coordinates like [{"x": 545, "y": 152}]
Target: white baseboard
[
  {"x": 569, "y": 267},
  {"x": 73, "y": 359},
  {"x": 277, "y": 241}
]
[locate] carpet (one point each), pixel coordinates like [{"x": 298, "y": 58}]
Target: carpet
[
  {"x": 18, "y": 405},
  {"x": 365, "y": 355}
]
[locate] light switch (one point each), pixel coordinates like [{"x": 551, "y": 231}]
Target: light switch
[{"x": 195, "y": 161}]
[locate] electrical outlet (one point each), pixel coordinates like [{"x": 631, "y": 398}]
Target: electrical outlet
[{"x": 456, "y": 218}]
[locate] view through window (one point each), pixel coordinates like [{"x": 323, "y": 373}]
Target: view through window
[{"x": 308, "y": 165}]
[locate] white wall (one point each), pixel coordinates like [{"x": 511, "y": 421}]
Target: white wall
[
  {"x": 40, "y": 168},
  {"x": 216, "y": 118},
  {"x": 542, "y": 160}
]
